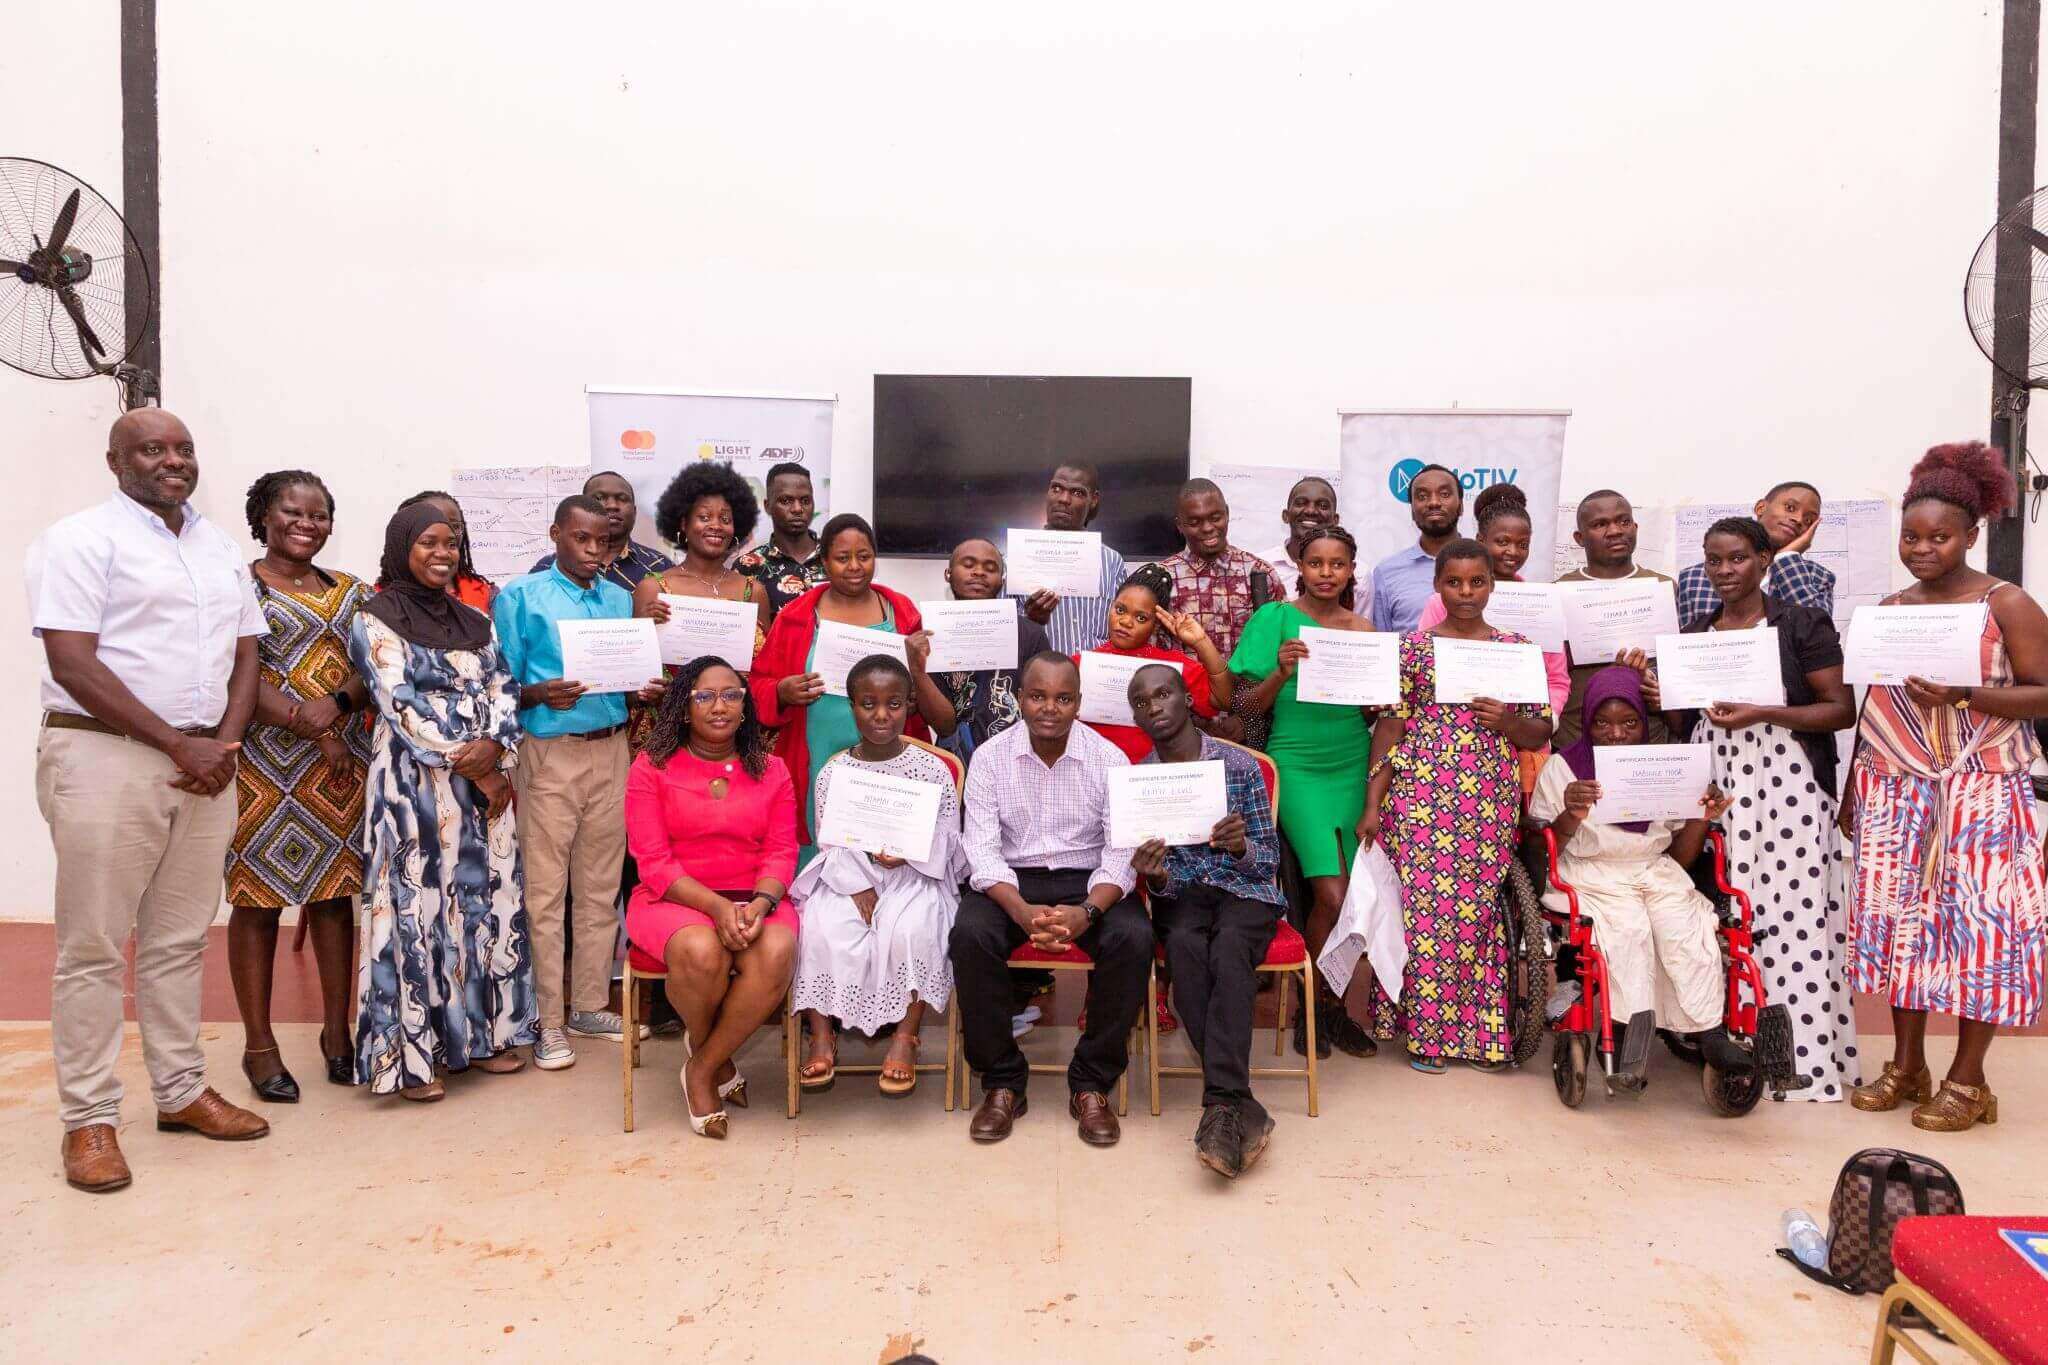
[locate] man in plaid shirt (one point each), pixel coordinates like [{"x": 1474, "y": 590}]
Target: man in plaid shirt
[
  {"x": 1216, "y": 905},
  {"x": 1791, "y": 514}
]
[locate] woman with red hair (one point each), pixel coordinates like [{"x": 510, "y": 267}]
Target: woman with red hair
[{"x": 1950, "y": 896}]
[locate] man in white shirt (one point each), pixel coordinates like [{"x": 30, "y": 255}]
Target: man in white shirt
[
  {"x": 1042, "y": 871},
  {"x": 1311, "y": 503},
  {"x": 148, "y": 619}
]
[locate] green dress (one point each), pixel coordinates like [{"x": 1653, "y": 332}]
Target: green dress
[
  {"x": 828, "y": 728},
  {"x": 1321, "y": 750}
]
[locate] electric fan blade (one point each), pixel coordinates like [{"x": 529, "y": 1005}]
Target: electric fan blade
[
  {"x": 8, "y": 267},
  {"x": 61, "y": 229},
  {"x": 77, "y": 311},
  {"x": 2035, "y": 237}
]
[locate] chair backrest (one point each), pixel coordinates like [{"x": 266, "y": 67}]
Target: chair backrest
[
  {"x": 1269, "y": 771},
  {"x": 949, "y": 758}
]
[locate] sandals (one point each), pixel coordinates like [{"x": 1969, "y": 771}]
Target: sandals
[
  {"x": 814, "y": 1081},
  {"x": 1956, "y": 1108},
  {"x": 499, "y": 1063},
  {"x": 896, "y": 1087},
  {"x": 424, "y": 1094},
  {"x": 1892, "y": 1088},
  {"x": 1428, "y": 1066}
]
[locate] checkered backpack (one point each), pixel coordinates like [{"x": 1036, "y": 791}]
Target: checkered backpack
[{"x": 1878, "y": 1187}]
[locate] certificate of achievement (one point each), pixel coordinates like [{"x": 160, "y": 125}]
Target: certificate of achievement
[
  {"x": 1489, "y": 668},
  {"x": 611, "y": 655},
  {"x": 1179, "y": 803},
  {"x": 1349, "y": 667},
  {"x": 1891, "y": 644},
  {"x": 1106, "y": 686},
  {"x": 697, "y": 626},
  {"x": 1532, "y": 609},
  {"x": 1067, "y": 562},
  {"x": 1603, "y": 619},
  {"x": 840, "y": 647},
  {"x": 968, "y": 637},
  {"x": 1651, "y": 781},
  {"x": 879, "y": 813},
  {"x": 1695, "y": 671}
]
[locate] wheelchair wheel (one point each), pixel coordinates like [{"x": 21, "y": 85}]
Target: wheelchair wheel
[
  {"x": 1730, "y": 1096},
  {"x": 1528, "y": 968},
  {"x": 1568, "y": 1055}
]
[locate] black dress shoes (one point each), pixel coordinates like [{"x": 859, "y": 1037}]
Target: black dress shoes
[{"x": 280, "y": 1088}]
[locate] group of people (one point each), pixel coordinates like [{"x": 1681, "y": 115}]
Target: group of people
[{"x": 411, "y": 743}]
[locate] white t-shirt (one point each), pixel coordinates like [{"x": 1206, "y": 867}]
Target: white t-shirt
[{"x": 168, "y": 609}]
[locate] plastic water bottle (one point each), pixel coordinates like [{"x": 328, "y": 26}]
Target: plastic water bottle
[{"x": 1803, "y": 1238}]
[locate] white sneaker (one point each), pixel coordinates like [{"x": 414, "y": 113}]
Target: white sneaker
[
  {"x": 602, "y": 1024},
  {"x": 552, "y": 1052},
  {"x": 1022, "y": 1024}
]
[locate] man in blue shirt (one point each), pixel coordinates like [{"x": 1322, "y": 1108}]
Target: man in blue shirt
[
  {"x": 1216, "y": 905},
  {"x": 571, "y": 778},
  {"x": 627, "y": 561},
  {"x": 1791, "y": 514},
  {"x": 1404, "y": 581}
]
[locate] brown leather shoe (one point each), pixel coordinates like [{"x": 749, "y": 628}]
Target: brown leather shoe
[
  {"x": 1096, "y": 1120},
  {"x": 211, "y": 1116},
  {"x": 93, "y": 1160},
  {"x": 1000, "y": 1109}
]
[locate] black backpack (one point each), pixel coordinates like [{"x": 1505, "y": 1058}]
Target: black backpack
[{"x": 1877, "y": 1187}]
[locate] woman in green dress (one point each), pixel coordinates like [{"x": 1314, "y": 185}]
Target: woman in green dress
[{"x": 1320, "y": 749}]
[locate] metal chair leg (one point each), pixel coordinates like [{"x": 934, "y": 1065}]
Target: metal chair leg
[
  {"x": 1286, "y": 982},
  {"x": 1308, "y": 1015},
  {"x": 1152, "y": 1035},
  {"x": 630, "y": 1052},
  {"x": 952, "y": 1049}
]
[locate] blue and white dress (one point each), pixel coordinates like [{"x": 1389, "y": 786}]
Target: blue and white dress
[{"x": 446, "y": 970}]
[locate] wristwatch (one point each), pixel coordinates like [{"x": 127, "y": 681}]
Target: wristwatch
[
  {"x": 1094, "y": 914},
  {"x": 342, "y": 700}
]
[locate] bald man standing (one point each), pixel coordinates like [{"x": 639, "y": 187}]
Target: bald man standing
[{"x": 148, "y": 619}]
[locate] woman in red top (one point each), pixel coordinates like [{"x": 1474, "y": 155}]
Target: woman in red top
[
  {"x": 711, "y": 821},
  {"x": 1134, "y": 617}
]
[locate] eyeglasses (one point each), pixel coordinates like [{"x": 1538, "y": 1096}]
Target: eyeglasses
[{"x": 731, "y": 696}]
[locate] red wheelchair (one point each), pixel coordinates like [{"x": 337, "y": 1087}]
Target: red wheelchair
[{"x": 1585, "y": 1025}]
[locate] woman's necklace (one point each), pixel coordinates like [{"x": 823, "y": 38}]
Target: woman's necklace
[
  {"x": 711, "y": 583},
  {"x": 719, "y": 785},
  {"x": 298, "y": 582}
]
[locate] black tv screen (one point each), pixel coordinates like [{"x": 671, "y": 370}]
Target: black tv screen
[{"x": 959, "y": 455}]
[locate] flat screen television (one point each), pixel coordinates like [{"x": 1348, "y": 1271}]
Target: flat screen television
[{"x": 967, "y": 454}]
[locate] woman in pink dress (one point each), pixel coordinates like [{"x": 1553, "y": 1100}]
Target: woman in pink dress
[{"x": 711, "y": 821}]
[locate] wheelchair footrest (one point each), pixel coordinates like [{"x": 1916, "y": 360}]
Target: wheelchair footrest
[
  {"x": 1774, "y": 1050},
  {"x": 1632, "y": 1064}
]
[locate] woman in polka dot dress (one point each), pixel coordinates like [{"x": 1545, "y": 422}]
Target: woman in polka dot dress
[{"x": 1778, "y": 763}]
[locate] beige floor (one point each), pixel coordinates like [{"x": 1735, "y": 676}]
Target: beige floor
[{"x": 1459, "y": 1218}]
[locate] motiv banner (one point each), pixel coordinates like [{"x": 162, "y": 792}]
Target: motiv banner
[
  {"x": 648, "y": 435},
  {"x": 1380, "y": 450}
]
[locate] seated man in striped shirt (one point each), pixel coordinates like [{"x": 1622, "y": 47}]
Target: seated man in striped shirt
[
  {"x": 1040, "y": 870},
  {"x": 1216, "y": 906}
]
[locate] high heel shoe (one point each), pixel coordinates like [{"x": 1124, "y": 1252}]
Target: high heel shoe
[
  {"x": 278, "y": 1089},
  {"x": 1892, "y": 1088},
  {"x": 1956, "y": 1108},
  {"x": 713, "y": 1124},
  {"x": 341, "y": 1068}
]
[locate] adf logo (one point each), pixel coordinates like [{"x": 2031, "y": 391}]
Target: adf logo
[
  {"x": 1400, "y": 476},
  {"x": 636, "y": 440}
]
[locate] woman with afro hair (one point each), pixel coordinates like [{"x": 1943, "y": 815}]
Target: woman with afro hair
[{"x": 1949, "y": 894}]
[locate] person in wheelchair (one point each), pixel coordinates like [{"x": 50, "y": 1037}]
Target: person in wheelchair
[{"x": 1657, "y": 932}]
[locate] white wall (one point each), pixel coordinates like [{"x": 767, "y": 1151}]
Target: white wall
[{"x": 400, "y": 237}]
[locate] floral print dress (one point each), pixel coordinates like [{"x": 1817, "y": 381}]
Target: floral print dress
[
  {"x": 446, "y": 965},
  {"x": 1450, "y": 829}
]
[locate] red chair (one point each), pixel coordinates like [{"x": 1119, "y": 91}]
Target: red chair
[
  {"x": 1286, "y": 957},
  {"x": 1028, "y": 957},
  {"x": 641, "y": 967},
  {"x": 1962, "y": 1275}
]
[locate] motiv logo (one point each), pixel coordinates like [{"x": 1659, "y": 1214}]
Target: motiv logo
[{"x": 1404, "y": 471}]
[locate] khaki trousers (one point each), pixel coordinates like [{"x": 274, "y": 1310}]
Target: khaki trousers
[
  {"x": 572, "y": 835},
  {"x": 135, "y": 856}
]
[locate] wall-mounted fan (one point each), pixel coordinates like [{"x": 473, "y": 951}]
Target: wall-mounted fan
[{"x": 69, "y": 269}]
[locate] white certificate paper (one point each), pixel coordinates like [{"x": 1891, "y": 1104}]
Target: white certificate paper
[
  {"x": 1349, "y": 667},
  {"x": 1603, "y": 619},
  {"x": 1651, "y": 781},
  {"x": 1532, "y": 609},
  {"x": 1068, "y": 562},
  {"x": 1106, "y": 686},
  {"x": 1695, "y": 671},
  {"x": 1887, "y": 645},
  {"x": 840, "y": 646},
  {"x": 1489, "y": 668},
  {"x": 697, "y": 626},
  {"x": 968, "y": 637},
  {"x": 611, "y": 655},
  {"x": 1179, "y": 803},
  {"x": 879, "y": 813}
]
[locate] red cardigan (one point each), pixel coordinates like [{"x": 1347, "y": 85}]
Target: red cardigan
[{"x": 787, "y": 647}]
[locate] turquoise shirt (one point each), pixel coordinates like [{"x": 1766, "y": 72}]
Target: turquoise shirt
[{"x": 526, "y": 611}]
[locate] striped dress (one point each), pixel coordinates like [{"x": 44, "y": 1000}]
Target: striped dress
[{"x": 1950, "y": 895}]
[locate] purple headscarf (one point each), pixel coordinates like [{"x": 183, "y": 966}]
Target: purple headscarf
[{"x": 1609, "y": 684}]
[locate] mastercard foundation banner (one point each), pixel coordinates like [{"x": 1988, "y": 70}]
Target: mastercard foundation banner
[
  {"x": 1380, "y": 451},
  {"x": 648, "y": 436}
]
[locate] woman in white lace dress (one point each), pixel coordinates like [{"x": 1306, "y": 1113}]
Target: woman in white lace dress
[{"x": 872, "y": 951}]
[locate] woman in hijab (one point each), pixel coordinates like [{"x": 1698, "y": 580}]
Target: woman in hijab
[
  {"x": 1657, "y": 932},
  {"x": 445, "y": 981}
]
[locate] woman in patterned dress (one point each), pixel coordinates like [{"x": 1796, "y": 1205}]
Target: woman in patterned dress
[
  {"x": 1949, "y": 896},
  {"x": 445, "y": 980},
  {"x": 873, "y": 948},
  {"x": 299, "y": 785},
  {"x": 1446, "y": 791}
]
